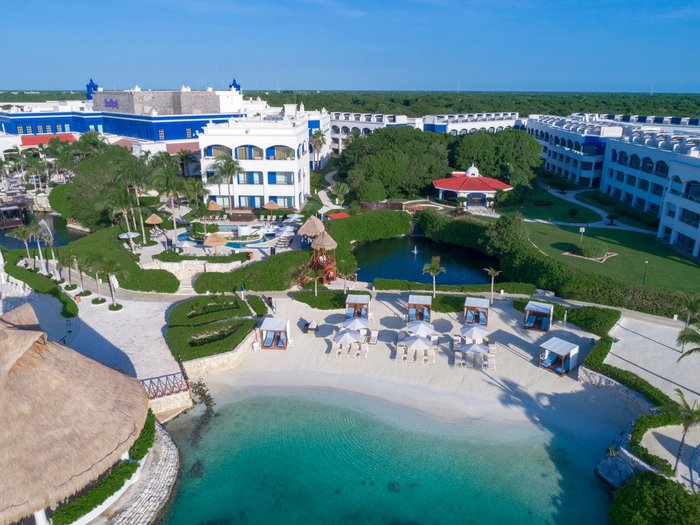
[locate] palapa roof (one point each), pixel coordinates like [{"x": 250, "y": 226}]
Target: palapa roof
[
  {"x": 65, "y": 418},
  {"x": 215, "y": 240},
  {"x": 270, "y": 205},
  {"x": 324, "y": 242},
  {"x": 312, "y": 227},
  {"x": 214, "y": 206},
  {"x": 153, "y": 219}
]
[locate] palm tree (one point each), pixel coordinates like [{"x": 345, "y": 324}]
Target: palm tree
[
  {"x": 195, "y": 192},
  {"x": 493, "y": 273},
  {"x": 185, "y": 157},
  {"x": 65, "y": 260},
  {"x": 78, "y": 268},
  {"x": 689, "y": 335},
  {"x": 346, "y": 267},
  {"x": 166, "y": 178},
  {"x": 111, "y": 269},
  {"x": 116, "y": 202},
  {"x": 23, "y": 234},
  {"x": 318, "y": 140},
  {"x": 315, "y": 274},
  {"x": 226, "y": 168},
  {"x": 691, "y": 305},
  {"x": 689, "y": 416},
  {"x": 434, "y": 269},
  {"x": 341, "y": 190},
  {"x": 95, "y": 265},
  {"x": 36, "y": 234}
]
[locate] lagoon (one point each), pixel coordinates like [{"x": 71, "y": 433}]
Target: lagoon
[{"x": 57, "y": 224}]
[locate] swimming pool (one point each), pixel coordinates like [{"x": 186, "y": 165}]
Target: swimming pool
[{"x": 185, "y": 236}]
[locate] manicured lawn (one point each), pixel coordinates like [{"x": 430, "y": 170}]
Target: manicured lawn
[
  {"x": 326, "y": 299},
  {"x": 626, "y": 214},
  {"x": 207, "y": 309},
  {"x": 666, "y": 269},
  {"x": 171, "y": 256},
  {"x": 541, "y": 204},
  {"x": 192, "y": 342}
]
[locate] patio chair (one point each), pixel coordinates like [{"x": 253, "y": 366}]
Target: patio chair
[
  {"x": 482, "y": 318},
  {"x": 269, "y": 337},
  {"x": 470, "y": 316},
  {"x": 373, "y": 336},
  {"x": 349, "y": 313},
  {"x": 530, "y": 322},
  {"x": 545, "y": 323},
  {"x": 282, "y": 341},
  {"x": 363, "y": 313},
  {"x": 411, "y": 314}
]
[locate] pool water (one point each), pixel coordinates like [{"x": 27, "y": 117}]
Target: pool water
[
  {"x": 57, "y": 224},
  {"x": 395, "y": 259},
  {"x": 242, "y": 244},
  {"x": 319, "y": 456}
]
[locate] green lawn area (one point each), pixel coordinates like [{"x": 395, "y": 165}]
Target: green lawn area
[
  {"x": 207, "y": 309},
  {"x": 541, "y": 204},
  {"x": 626, "y": 214},
  {"x": 666, "y": 269},
  {"x": 192, "y": 342}
]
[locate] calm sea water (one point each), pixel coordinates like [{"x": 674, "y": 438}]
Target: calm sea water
[
  {"x": 325, "y": 457},
  {"x": 394, "y": 259}
]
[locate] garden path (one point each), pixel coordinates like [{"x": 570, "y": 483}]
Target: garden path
[{"x": 325, "y": 199}]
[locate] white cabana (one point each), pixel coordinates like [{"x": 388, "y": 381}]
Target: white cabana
[
  {"x": 558, "y": 355},
  {"x": 476, "y": 311},
  {"x": 473, "y": 333},
  {"x": 356, "y": 323},
  {"x": 539, "y": 316},
  {"x": 420, "y": 328},
  {"x": 417, "y": 343},
  {"x": 346, "y": 337},
  {"x": 419, "y": 307},
  {"x": 357, "y": 305},
  {"x": 274, "y": 333}
]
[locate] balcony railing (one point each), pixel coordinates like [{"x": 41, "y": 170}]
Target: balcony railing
[{"x": 690, "y": 221}]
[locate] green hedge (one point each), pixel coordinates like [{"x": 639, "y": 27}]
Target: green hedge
[
  {"x": 591, "y": 248},
  {"x": 39, "y": 283},
  {"x": 398, "y": 284},
  {"x": 203, "y": 310},
  {"x": 257, "y": 304},
  {"x": 171, "y": 256},
  {"x": 180, "y": 338},
  {"x": 326, "y": 300},
  {"x": 96, "y": 495},
  {"x": 594, "y": 319},
  {"x": 645, "y": 423},
  {"x": 448, "y": 303},
  {"x": 146, "y": 438}
]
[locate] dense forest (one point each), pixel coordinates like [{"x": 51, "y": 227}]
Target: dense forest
[{"x": 419, "y": 103}]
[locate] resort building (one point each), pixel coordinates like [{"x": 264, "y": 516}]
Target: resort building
[
  {"x": 344, "y": 125},
  {"x": 65, "y": 420},
  {"x": 470, "y": 188},
  {"x": 462, "y": 124}
]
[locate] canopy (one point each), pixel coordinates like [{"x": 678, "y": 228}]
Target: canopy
[
  {"x": 324, "y": 242},
  {"x": 285, "y": 231},
  {"x": 357, "y": 323},
  {"x": 128, "y": 235},
  {"x": 424, "y": 300},
  {"x": 65, "y": 419},
  {"x": 185, "y": 244},
  {"x": 476, "y": 302},
  {"x": 270, "y": 205},
  {"x": 540, "y": 308},
  {"x": 215, "y": 240},
  {"x": 559, "y": 346},
  {"x": 420, "y": 328},
  {"x": 475, "y": 349},
  {"x": 417, "y": 343},
  {"x": 473, "y": 332},
  {"x": 311, "y": 227},
  {"x": 153, "y": 219},
  {"x": 346, "y": 336},
  {"x": 214, "y": 206},
  {"x": 274, "y": 324},
  {"x": 357, "y": 299}
]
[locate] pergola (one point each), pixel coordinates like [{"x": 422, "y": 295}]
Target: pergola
[
  {"x": 538, "y": 316},
  {"x": 357, "y": 305},
  {"x": 274, "y": 333},
  {"x": 419, "y": 307},
  {"x": 476, "y": 311},
  {"x": 558, "y": 355}
]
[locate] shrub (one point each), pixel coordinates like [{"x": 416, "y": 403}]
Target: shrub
[
  {"x": 115, "y": 307},
  {"x": 326, "y": 300},
  {"x": 171, "y": 256},
  {"x": 397, "y": 284},
  {"x": 203, "y": 310},
  {"x": 257, "y": 304},
  {"x": 643, "y": 424},
  {"x": 146, "y": 438},
  {"x": 179, "y": 337},
  {"x": 84, "y": 293},
  {"x": 71, "y": 287},
  {"x": 593, "y": 319},
  {"x": 591, "y": 248},
  {"x": 448, "y": 303},
  {"x": 99, "y": 300},
  {"x": 648, "y": 498},
  {"x": 96, "y": 495}
]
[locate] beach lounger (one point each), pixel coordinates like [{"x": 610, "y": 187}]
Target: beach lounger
[
  {"x": 412, "y": 314},
  {"x": 482, "y": 318},
  {"x": 470, "y": 316},
  {"x": 349, "y": 313},
  {"x": 425, "y": 356},
  {"x": 547, "y": 361},
  {"x": 269, "y": 337},
  {"x": 373, "y": 336},
  {"x": 545, "y": 323},
  {"x": 282, "y": 341},
  {"x": 363, "y": 313},
  {"x": 530, "y": 322}
]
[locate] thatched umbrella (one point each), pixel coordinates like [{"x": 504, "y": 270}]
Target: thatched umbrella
[
  {"x": 271, "y": 206},
  {"x": 311, "y": 228},
  {"x": 214, "y": 206},
  {"x": 153, "y": 220},
  {"x": 324, "y": 242},
  {"x": 65, "y": 419},
  {"x": 215, "y": 240}
]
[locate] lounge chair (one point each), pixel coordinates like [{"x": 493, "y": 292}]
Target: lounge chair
[
  {"x": 548, "y": 361},
  {"x": 482, "y": 318},
  {"x": 363, "y": 313},
  {"x": 470, "y": 316},
  {"x": 349, "y": 313},
  {"x": 411, "y": 314},
  {"x": 545, "y": 323},
  {"x": 282, "y": 341},
  {"x": 530, "y": 322},
  {"x": 373, "y": 336},
  {"x": 269, "y": 337}
]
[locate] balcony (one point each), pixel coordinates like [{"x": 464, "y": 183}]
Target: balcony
[{"x": 690, "y": 221}]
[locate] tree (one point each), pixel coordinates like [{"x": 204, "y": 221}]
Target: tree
[
  {"x": 691, "y": 305},
  {"x": 226, "y": 167},
  {"x": 689, "y": 416},
  {"x": 166, "y": 179},
  {"x": 116, "y": 201},
  {"x": 24, "y": 234},
  {"x": 95, "y": 265},
  {"x": 346, "y": 268},
  {"x": 340, "y": 189},
  {"x": 573, "y": 212},
  {"x": 493, "y": 273},
  {"x": 689, "y": 336},
  {"x": 193, "y": 189},
  {"x": 318, "y": 140},
  {"x": 185, "y": 157},
  {"x": 111, "y": 269},
  {"x": 315, "y": 274},
  {"x": 65, "y": 260},
  {"x": 36, "y": 234},
  {"x": 505, "y": 234},
  {"x": 434, "y": 269}
]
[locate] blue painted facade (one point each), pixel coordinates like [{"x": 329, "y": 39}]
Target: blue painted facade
[{"x": 437, "y": 128}]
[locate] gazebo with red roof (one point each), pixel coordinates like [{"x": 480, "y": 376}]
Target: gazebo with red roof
[{"x": 470, "y": 185}]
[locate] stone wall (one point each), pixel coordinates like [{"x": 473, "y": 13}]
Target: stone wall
[
  {"x": 217, "y": 363},
  {"x": 619, "y": 464},
  {"x": 196, "y": 102},
  {"x": 118, "y": 101},
  {"x": 167, "y": 407},
  {"x": 186, "y": 270},
  {"x": 588, "y": 376}
]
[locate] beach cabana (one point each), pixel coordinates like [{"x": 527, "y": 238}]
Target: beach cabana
[
  {"x": 476, "y": 311},
  {"x": 274, "y": 333},
  {"x": 419, "y": 307},
  {"x": 311, "y": 228},
  {"x": 271, "y": 206},
  {"x": 558, "y": 355},
  {"x": 65, "y": 419},
  {"x": 538, "y": 316},
  {"x": 357, "y": 305}
]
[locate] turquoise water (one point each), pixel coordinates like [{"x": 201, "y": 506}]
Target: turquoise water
[
  {"x": 394, "y": 259},
  {"x": 238, "y": 244},
  {"x": 326, "y": 457}
]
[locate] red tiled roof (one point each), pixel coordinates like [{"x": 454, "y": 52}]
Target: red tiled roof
[
  {"x": 124, "y": 143},
  {"x": 35, "y": 140},
  {"x": 339, "y": 215},
  {"x": 460, "y": 184},
  {"x": 175, "y": 147}
]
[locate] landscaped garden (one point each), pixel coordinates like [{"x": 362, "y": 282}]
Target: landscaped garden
[
  {"x": 541, "y": 204},
  {"x": 624, "y": 214}
]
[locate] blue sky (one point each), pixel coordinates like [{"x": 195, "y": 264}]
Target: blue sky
[{"x": 528, "y": 45}]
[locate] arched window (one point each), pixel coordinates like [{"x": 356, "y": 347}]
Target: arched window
[
  {"x": 569, "y": 144},
  {"x": 335, "y": 129},
  {"x": 676, "y": 185},
  {"x": 546, "y": 136},
  {"x": 279, "y": 153},
  {"x": 453, "y": 132},
  {"x": 662, "y": 169},
  {"x": 613, "y": 155},
  {"x": 218, "y": 150},
  {"x": 556, "y": 141},
  {"x": 249, "y": 152},
  {"x": 366, "y": 131},
  {"x": 577, "y": 146},
  {"x": 635, "y": 162},
  {"x": 623, "y": 158},
  {"x": 462, "y": 131},
  {"x": 647, "y": 165},
  {"x": 345, "y": 130}
]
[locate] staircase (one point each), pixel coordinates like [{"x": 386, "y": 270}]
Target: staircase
[{"x": 186, "y": 288}]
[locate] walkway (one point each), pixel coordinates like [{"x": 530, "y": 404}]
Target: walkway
[{"x": 325, "y": 199}]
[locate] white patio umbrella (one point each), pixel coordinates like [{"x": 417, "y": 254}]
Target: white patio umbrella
[
  {"x": 185, "y": 244},
  {"x": 285, "y": 231},
  {"x": 475, "y": 349},
  {"x": 129, "y": 235},
  {"x": 473, "y": 332},
  {"x": 345, "y": 337},
  {"x": 417, "y": 343},
  {"x": 294, "y": 217},
  {"x": 420, "y": 328},
  {"x": 356, "y": 323}
]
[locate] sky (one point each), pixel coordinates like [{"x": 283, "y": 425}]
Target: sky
[{"x": 450, "y": 45}]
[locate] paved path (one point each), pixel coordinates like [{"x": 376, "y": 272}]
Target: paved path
[{"x": 325, "y": 199}]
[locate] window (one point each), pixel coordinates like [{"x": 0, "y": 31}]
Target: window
[
  {"x": 598, "y": 165},
  {"x": 39, "y": 128},
  {"x": 657, "y": 189},
  {"x": 280, "y": 177},
  {"x": 248, "y": 153},
  {"x": 48, "y": 128},
  {"x": 623, "y": 158},
  {"x": 283, "y": 202},
  {"x": 647, "y": 165},
  {"x": 567, "y": 160},
  {"x": 587, "y": 166},
  {"x": 631, "y": 180},
  {"x": 250, "y": 177},
  {"x": 654, "y": 209},
  {"x": 662, "y": 169},
  {"x": 574, "y": 163},
  {"x": 19, "y": 130},
  {"x": 58, "y": 128},
  {"x": 66, "y": 128},
  {"x": 28, "y": 129},
  {"x": 640, "y": 203},
  {"x": 188, "y": 133},
  {"x": 635, "y": 162},
  {"x": 619, "y": 176},
  {"x": 643, "y": 184},
  {"x": 611, "y": 174},
  {"x": 161, "y": 134},
  {"x": 684, "y": 242}
]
